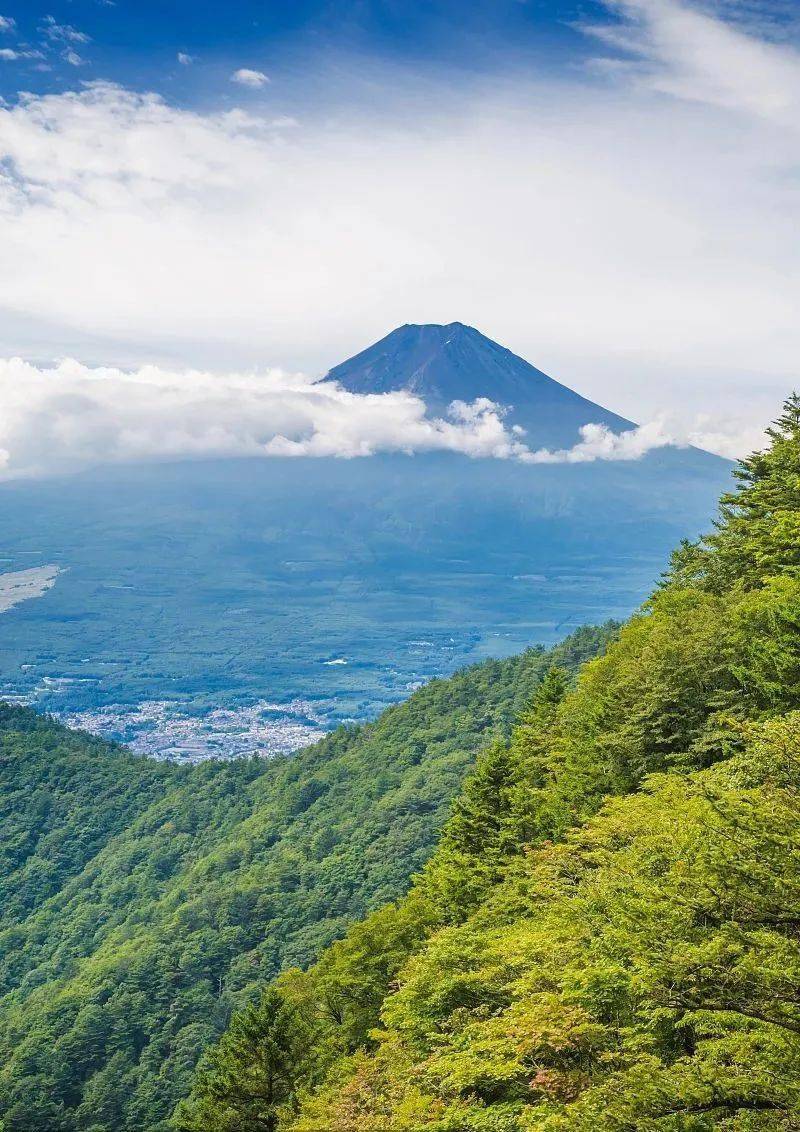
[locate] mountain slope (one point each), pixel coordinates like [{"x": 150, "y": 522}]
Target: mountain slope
[
  {"x": 607, "y": 935},
  {"x": 442, "y": 364},
  {"x": 453, "y": 362},
  {"x": 143, "y": 901}
]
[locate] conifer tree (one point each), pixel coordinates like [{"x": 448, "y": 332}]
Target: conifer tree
[
  {"x": 757, "y": 534},
  {"x": 250, "y": 1075}
]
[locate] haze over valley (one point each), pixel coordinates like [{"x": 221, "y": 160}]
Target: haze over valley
[{"x": 221, "y": 607}]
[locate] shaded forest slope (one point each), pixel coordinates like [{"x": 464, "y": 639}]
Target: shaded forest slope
[{"x": 142, "y": 902}]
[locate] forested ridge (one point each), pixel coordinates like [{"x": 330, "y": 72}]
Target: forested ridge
[
  {"x": 608, "y": 935},
  {"x": 143, "y": 902}
]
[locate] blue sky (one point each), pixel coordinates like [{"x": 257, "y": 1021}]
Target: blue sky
[
  {"x": 610, "y": 189},
  {"x": 139, "y": 41}
]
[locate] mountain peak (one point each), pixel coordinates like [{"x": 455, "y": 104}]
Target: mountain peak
[
  {"x": 442, "y": 363},
  {"x": 425, "y": 337}
]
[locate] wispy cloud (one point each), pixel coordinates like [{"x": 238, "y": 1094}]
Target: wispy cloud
[
  {"x": 184, "y": 59},
  {"x": 11, "y": 54},
  {"x": 688, "y": 53},
  {"x": 62, "y": 33},
  {"x": 7, "y": 23},
  {"x": 245, "y": 77},
  {"x": 63, "y": 38}
]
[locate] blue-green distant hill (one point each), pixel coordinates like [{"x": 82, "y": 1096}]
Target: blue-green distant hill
[{"x": 216, "y": 607}]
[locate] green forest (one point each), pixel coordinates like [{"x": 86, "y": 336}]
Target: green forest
[
  {"x": 557, "y": 892},
  {"x": 144, "y": 902},
  {"x": 608, "y": 934}
]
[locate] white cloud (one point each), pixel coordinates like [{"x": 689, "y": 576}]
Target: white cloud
[
  {"x": 692, "y": 54},
  {"x": 63, "y": 33},
  {"x": 245, "y": 77},
  {"x": 728, "y": 436},
  {"x": 599, "y": 443},
  {"x": 184, "y": 59},
  {"x": 70, "y": 416},
  {"x": 73, "y": 58},
  {"x": 7, "y": 23},
  {"x": 10, "y": 54}
]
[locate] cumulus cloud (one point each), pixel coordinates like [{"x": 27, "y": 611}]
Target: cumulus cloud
[
  {"x": 70, "y": 416},
  {"x": 598, "y": 442},
  {"x": 245, "y": 77}
]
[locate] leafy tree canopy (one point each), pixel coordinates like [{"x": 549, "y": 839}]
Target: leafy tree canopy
[
  {"x": 144, "y": 903},
  {"x": 608, "y": 936}
]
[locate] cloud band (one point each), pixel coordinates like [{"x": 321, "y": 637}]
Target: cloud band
[{"x": 71, "y": 416}]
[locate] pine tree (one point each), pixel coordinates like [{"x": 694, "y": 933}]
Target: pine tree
[
  {"x": 480, "y": 810},
  {"x": 757, "y": 533},
  {"x": 480, "y": 817},
  {"x": 250, "y": 1076},
  {"x": 546, "y": 700}
]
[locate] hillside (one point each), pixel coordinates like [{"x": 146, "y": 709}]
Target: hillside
[
  {"x": 143, "y": 901},
  {"x": 608, "y": 936}
]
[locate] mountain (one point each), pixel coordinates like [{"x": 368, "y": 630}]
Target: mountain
[
  {"x": 455, "y": 362},
  {"x": 143, "y": 901},
  {"x": 606, "y": 937},
  {"x": 212, "y": 608}
]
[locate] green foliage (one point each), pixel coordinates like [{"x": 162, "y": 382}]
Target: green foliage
[
  {"x": 62, "y": 796},
  {"x": 758, "y": 533},
  {"x": 608, "y": 936},
  {"x": 144, "y": 903},
  {"x": 255, "y": 1089}
]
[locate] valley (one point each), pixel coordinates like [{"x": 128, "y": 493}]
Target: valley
[
  {"x": 203, "y": 608},
  {"x": 185, "y": 671}
]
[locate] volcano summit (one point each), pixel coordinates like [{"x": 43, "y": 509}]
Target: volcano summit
[{"x": 442, "y": 364}]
